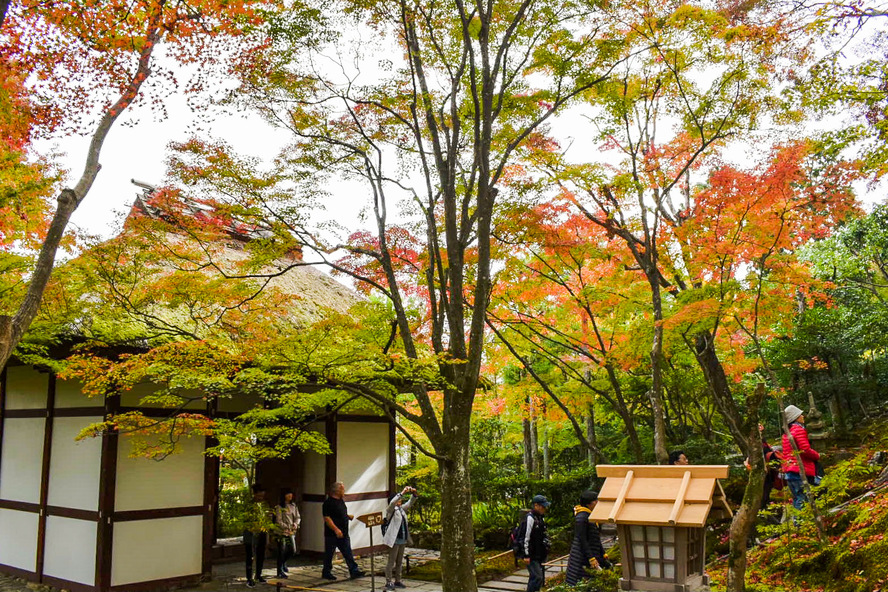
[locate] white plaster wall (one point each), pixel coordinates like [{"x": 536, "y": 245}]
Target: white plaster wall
[
  {"x": 174, "y": 482},
  {"x": 359, "y": 533},
  {"x": 312, "y": 526},
  {"x": 315, "y": 468},
  {"x": 69, "y": 394},
  {"x": 147, "y": 550},
  {"x": 362, "y": 456},
  {"x": 74, "y": 467},
  {"x": 18, "y": 539},
  {"x": 22, "y": 460},
  {"x": 26, "y": 388},
  {"x": 70, "y": 549}
]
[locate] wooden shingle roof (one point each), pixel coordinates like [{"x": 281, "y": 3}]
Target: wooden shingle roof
[{"x": 675, "y": 495}]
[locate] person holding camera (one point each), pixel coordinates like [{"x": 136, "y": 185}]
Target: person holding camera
[{"x": 397, "y": 535}]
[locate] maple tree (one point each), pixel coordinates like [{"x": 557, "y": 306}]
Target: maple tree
[
  {"x": 438, "y": 129},
  {"x": 83, "y": 66}
]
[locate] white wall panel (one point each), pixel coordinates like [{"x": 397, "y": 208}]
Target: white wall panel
[
  {"x": 359, "y": 533},
  {"x": 22, "y": 460},
  {"x": 176, "y": 481},
  {"x": 18, "y": 539},
  {"x": 313, "y": 480},
  {"x": 147, "y": 550},
  {"x": 26, "y": 388},
  {"x": 69, "y": 394},
  {"x": 362, "y": 456},
  {"x": 70, "y": 551},
  {"x": 74, "y": 467},
  {"x": 312, "y": 526}
]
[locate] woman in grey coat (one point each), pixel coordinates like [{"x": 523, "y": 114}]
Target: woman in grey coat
[{"x": 396, "y": 536}]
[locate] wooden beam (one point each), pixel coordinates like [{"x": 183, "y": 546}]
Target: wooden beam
[
  {"x": 332, "y": 461},
  {"x": 44, "y": 476},
  {"x": 679, "y": 500},
  {"x": 621, "y": 497},
  {"x": 677, "y": 471},
  {"x": 107, "y": 492}
]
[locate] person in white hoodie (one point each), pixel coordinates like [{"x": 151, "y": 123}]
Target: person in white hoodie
[{"x": 396, "y": 536}]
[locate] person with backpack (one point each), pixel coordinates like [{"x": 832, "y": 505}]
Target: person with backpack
[
  {"x": 533, "y": 541},
  {"x": 794, "y": 474},
  {"x": 396, "y": 534},
  {"x": 586, "y": 549}
]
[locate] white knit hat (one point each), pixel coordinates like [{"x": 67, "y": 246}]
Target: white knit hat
[{"x": 792, "y": 413}]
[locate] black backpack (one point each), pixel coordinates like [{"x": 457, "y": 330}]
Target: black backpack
[{"x": 517, "y": 535}]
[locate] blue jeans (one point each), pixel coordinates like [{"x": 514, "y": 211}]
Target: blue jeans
[
  {"x": 537, "y": 575},
  {"x": 797, "y": 489},
  {"x": 344, "y": 544}
]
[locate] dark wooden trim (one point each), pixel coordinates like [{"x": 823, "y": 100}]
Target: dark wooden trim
[
  {"x": 26, "y": 413},
  {"x": 75, "y": 513},
  {"x": 44, "y": 474},
  {"x": 210, "y": 497},
  {"x": 363, "y": 418},
  {"x": 63, "y": 584},
  {"x": 18, "y": 572},
  {"x": 2, "y": 408},
  {"x": 331, "y": 464},
  {"x": 79, "y": 412},
  {"x": 107, "y": 492},
  {"x": 370, "y": 495},
  {"x": 313, "y": 497},
  {"x": 156, "y": 513},
  {"x": 165, "y": 584},
  {"x": 20, "y": 506},
  {"x": 393, "y": 458}
]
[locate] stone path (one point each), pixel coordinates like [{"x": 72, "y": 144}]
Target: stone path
[
  {"x": 518, "y": 580},
  {"x": 230, "y": 577}
]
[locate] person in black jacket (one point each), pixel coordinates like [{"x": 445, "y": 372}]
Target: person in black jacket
[
  {"x": 586, "y": 545},
  {"x": 535, "y": 543}
]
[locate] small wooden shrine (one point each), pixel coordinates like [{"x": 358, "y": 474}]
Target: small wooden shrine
[{"x": 660, "y": 513}]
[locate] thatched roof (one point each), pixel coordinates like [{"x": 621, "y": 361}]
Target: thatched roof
[{"x": 314, "y": 290}]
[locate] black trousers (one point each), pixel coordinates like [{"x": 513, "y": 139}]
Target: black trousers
[
  {"x": 254, "y": 543},
  {"x": 331, "y": 543}
]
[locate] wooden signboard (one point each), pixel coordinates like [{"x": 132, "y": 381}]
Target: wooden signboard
[{"x": 374, "y": 519}]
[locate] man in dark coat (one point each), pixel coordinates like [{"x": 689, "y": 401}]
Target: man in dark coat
[
  {"x": 535, "y": 543},
  {"x": 586, "y": 549}
]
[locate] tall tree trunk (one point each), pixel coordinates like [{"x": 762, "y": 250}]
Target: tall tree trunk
[
  {"x": 546, "y": 452},
  {"x": 528, "y": 449},
  {"x": 745, "y": 517},
  {"x": 591, "y": 456},
  {"x": 457, "y": 538},
  {"x": 656, "y": 392}
]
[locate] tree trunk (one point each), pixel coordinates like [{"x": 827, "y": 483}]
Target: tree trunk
[
  {"x": 528, "y": 450},
  {"x": 745, "y": 516},
  {"x": 656, "y": 392},
  {"x": 546, "y": 452},
  {"x": 591, "y": 456},
  {"x": 457, "y": 538}
]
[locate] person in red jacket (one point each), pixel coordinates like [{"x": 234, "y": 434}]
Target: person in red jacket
[{"x": 796, "y": 421}]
